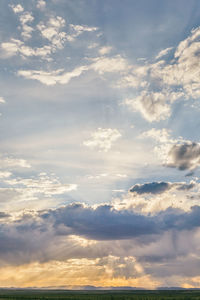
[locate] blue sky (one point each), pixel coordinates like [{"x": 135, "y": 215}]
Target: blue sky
[{"x": 99, "y": 105}]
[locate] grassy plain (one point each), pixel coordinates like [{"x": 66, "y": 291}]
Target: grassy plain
[{"x": 99, "y": 295}]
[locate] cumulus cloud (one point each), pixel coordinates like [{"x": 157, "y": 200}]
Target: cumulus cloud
[
  {"x": 163, "y": 82},
  {"x": 185, "y": 156},
  {"x": 14, "y": 47},
  {"x": 11, "y": 48},
  {"x": 105, "y": 50},
  {"x": 152, "y": 188},
  {"x": 109, "y": 64},
  {"x": 154, "y": 197},
  {"x": 176, "y": 153},
  {"x": 41, "y": 4},
  {"x": 152, "y": 106},
  {"x": 102, "y": 139},
  {"x": 52, "y": 31},
  {"x": 17, "y": 8},
  {"x": 184, "y": 71},
  {"x": 25, "y": 18}
]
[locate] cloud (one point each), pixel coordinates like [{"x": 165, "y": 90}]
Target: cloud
[
  {"x": 184, "y": 69},
  {"x": 54, "y": 77},
  {"x": 109, "y": 64},
  {"x": 3, "y": 215},
  {"x": 52, "y": 31},
  {"x": 185, "y": 156},
  {"x": 43, "y": 185},
  {"x": 17, "y": 8},
  {"x": 102, "y": 139},
  {"x": 76, "y": 30},
  {"x": 14, "y": 47},
  {"x": 25, "y": 18},
  {"x": 41, "y": 4},
  {"x": 163, "y": 52},
  {"x": 175, "y": 153},
  {"x": 160, "y": 187},
  {"x": 105, "y": 50},
  {"x": 152, "y": 188},
  {"x": 163, "y": 82},
  {"x": 152, "y": 106},
  {"x": 103, "y": 223},
  {"x": 12, "y": 163},
  {"x": 5, "y": 174},
  {"x": 121, "y": 243},
  {"x": 101, "y": 65},
  {"x": 2, "y": 100}
]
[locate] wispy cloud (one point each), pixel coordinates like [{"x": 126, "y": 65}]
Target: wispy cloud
[{"x": 51, "y": 78}]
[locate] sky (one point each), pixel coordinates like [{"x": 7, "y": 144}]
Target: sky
[{"x": 99, "y": 143}]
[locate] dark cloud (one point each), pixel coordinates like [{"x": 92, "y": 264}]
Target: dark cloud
[
  {"x": 46, "y": 236},
  {"x": 152, "y": 188},
  {"x": 3, "y": 215},
  {"x": 185, "y": 156},
  {"x": 104, "y": 222},
  {"x": 159, "y": 187}
]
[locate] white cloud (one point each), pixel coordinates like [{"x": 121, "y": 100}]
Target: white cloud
[
  {"x": 105, "y": 50},
  {"x": 12, "y": 163},
  {"x": 93, "y": 45},
  {"x": 25, "y": 18},
  {"x": 5, "y": 174},
  {"x": 54, "y": 77},
  {"x": 17, "y": 8},
  {"x": 11, "y": 48},
  {"x": 184, "y": 70},
  {"x": 163, "y": 52},
  {"x": 109, "y": 64},
  {"x": 2, "y": 100},
  {"x": 41, "y": 4},
  {"x": 14, "y": 47},
  {"x": 142, "y": 199},
  {"x": 103, "y": 139},
  {"x": 76, "y": 30},
  {"x": 52, "y": 31}
]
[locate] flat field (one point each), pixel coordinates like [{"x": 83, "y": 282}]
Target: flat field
[{"x": 98, "y": 295}]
